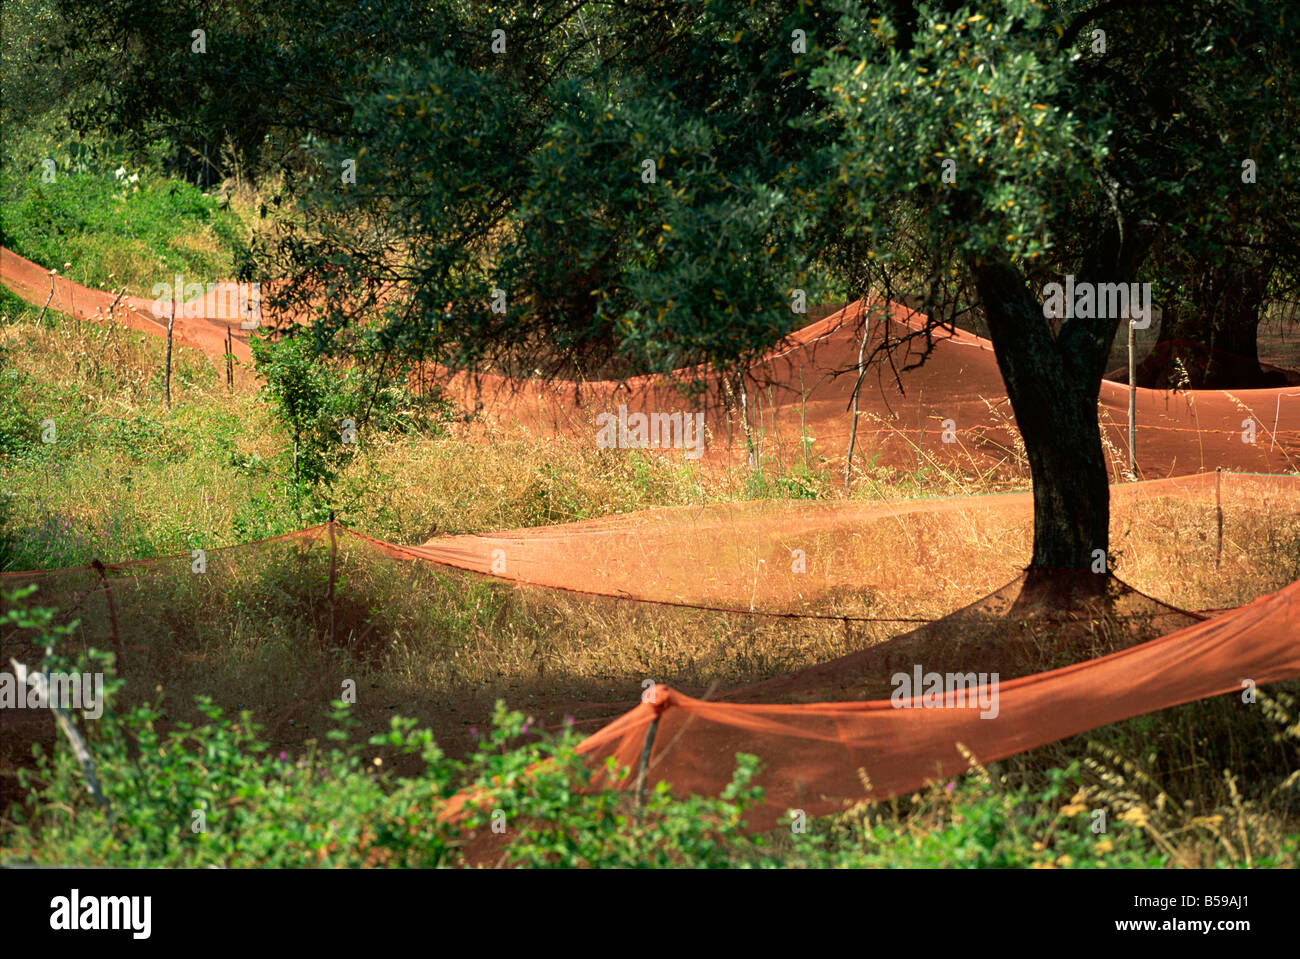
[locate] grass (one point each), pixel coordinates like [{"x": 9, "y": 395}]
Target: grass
[
  {"x": 223, "y": 455},
  {"x": 1148, "y": 792},
  {"x": 127, "y": 478},
  {"x": 116, "y": 233},
  {"x": 441, "y": 646}
]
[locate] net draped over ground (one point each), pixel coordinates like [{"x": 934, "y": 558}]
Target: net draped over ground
[
  {"x": 952, "y": 412},
  {"x": 842, "y": 559},
  {"x": 821, "y": 730},
  {"x": 819, "y": 756}
]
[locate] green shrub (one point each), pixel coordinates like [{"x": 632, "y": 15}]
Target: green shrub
[
  {"x": 218, "y": 794},
  {"x": 114, "y": 231},
  {"x": 328, "y": 411}
]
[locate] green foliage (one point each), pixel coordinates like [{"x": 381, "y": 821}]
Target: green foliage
[
  {"x": 596, "y": 263},
  {"x": 271, "y": 73},
  {"x": 306, "y": 398},
  {"x": 30, "y": 86},
  {"x": 972, "y": 825},
  {"x": 605, "y": 829},
  {"x": 19, "y": 419},
  {"x": 116, "y": 232},
  {"x": 328, "y": 410},
  {"x": 8, "y": 537},
  {"x": 38, "y": 625},
  {"x": 990, "y": 93},
  {"x": 217, "y": 793},
  {"x": 769, "y": 480},
  {"x": 822, "y": 170}
]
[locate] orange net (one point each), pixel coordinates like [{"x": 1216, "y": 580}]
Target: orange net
[
  {"x": 951, "y": 563},
  {"x": 346, "y": 593},
  {"x": 820, "y": 558},
  {"x": 794, "y": 405},
  {"x": 949, "y": 415},
  {"x": 820, "y": 757},
  {"x": 194, "y": 327}
]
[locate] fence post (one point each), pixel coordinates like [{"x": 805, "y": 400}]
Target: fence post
[
  {"x": 1218, "y": 515},
  {"x": 1132, "y": 403},
  {"x": 112, "y": 612},
  {"x": 167, "y": 375},
  {"x": 857, "y": 387},
  {"x": 41, "y": 319},
  {"x": 332, "y": 568},
  {"x": 645, "y": 765}
]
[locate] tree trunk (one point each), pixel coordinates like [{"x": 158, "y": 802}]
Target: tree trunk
[
  {"x": 1053, "y": 383},
  {"x": 1209, "y": 335},
  {"x": 853, "y": 412}
]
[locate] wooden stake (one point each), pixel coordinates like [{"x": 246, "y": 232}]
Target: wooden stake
[
  {"x": 167, "y": 375},
  {"x": 98, "y": 567},
  {"x": 645, "y": 765},
  {"x": 1218, "y": 514},
  {"x": 112, "y": 322},
  {"x": 744, "y": 418},
  {"x": 1132, "y": 403},
  {"x": 333, "y": 552},
  {"x": 920, "y": 438},
  {"x": 853, "y": 425},
  {"x": 112, "y": 307},
  {"x": 40, "y": 319}
]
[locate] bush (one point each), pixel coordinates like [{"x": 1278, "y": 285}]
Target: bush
[
  {"x": 218, "y": 794},
  {"x": 116, "y": 232},
  {"x": 329, "y": 410}
]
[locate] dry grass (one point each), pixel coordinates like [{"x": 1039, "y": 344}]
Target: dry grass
[{"x": 258, "y": 631}]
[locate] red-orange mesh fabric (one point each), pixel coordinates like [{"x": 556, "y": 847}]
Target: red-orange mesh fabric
[
  {"x": 838, "y": 559},
  {"x": 801, "y": 390},
  {"x": 812, "y": 749},
  {"x": 32, "y": 283},
  {"x": 819, "y": 756},
  {"x": 823, "y": 557},
  {"x": 738, "y": 557}
]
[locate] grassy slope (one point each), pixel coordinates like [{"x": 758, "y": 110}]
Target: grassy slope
[
  {"x": 128, "y": 478},
  {"x": 113, "y": 233}
]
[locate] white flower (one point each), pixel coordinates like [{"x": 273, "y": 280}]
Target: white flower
[{"x": 120, "y": 172}]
